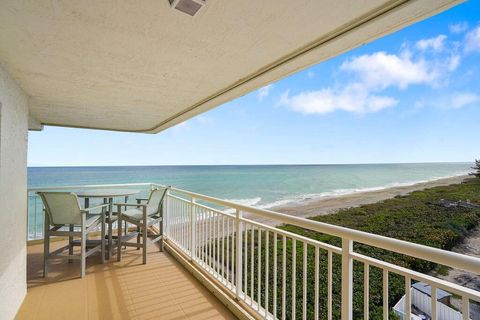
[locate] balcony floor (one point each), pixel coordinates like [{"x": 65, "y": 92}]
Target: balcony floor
[{"x": 161, "y": 289}]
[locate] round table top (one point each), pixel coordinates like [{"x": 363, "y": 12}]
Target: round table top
[{"x": 106, "y": 193}]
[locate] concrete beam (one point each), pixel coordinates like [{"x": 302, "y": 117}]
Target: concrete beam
[{"x": 34, "y": 124}]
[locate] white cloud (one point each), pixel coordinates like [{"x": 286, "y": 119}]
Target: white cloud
[
  {"x": 463, "y": 99},
  {"x": 453, "y": 62},
  {"x": 352, "y": 98},
  {"x": 472, "y": 40},
  {"x": 264, "y": 92},
  {"x": 449, "y": 100},
  {"x": 428, "y": 62},
  {"x": 436, "y": 44},
  {"x": 381, "y": 70},
  {"x": 458, "y": 27}
]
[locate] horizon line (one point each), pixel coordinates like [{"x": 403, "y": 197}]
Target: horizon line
[{"x": 246, "y": 165}]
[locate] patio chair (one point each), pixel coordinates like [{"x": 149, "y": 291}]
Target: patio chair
[
  {"x": 62, "y": 210},
  {"x": 143, "y": 216}
]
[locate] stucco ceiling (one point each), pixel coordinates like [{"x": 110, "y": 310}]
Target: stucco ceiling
[{"x": 142, "y": 66}]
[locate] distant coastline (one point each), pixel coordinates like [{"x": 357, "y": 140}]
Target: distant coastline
[{"x": 331, "y": 204}]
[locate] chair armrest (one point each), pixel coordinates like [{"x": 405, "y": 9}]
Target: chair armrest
[
  {"x": 96, "y": 207},
  {"x": 129, "y": 204},
  {"x": 141, "y": 199}
]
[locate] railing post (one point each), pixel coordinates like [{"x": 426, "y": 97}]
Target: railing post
[
  {"x": 166, "y": 215},
  {"x": 239, "y": 252},
  {"x": 347, "y": 278},
  {"x": 193, "y": 224}
]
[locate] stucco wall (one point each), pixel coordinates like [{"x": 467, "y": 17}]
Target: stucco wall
[{"x": 13, "y": 184}]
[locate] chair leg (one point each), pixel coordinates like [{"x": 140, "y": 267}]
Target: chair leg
[
  {"x": 125, "y": 231},
  {"x": 110, "y": 228},
  {"x": 160, "y": 233},
  {"x": 70, "y": 244},
  {"x": 144, "y": 234},
  {"x": 83, "y": 250},
  {"x": 119, "y": 236},
  {"x": 46, "y": 249},
  {"x": 110, "y": 239},
  {"x": 103, "y": 239},
  {"x": 138, "y": 236}
]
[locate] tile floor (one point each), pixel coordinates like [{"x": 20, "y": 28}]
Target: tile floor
[{"x": 161, "y": 289}]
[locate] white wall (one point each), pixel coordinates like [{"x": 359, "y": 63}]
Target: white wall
[{"x": 13, "y": 193}]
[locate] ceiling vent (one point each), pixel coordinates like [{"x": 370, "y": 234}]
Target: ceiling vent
[{"x": 190, "y": 7}]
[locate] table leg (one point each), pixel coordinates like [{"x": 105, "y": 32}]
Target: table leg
[
  {"x": 126, "y": 231},
  {"x": 70, "y": 243},
  {"x": 102, "y": 233},
  {"x": 87, "y": 205}
]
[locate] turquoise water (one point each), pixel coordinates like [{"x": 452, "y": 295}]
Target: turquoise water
[{"x": 264, "y": 186}]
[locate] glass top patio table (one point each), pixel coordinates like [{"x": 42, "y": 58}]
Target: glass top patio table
[{"x": 106, "y": 193}]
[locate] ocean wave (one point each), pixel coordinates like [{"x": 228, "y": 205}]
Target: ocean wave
[
  {"x": 347, "y": 191},
  {"x": 246, "y": 202}
]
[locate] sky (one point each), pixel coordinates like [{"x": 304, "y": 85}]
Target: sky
[{"x": 413, "y": 96}]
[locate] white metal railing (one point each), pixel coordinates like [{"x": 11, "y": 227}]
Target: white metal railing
[{"x": 283, "y": 275}]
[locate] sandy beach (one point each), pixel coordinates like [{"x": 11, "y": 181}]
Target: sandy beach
[{"x": 328, "y": 205}]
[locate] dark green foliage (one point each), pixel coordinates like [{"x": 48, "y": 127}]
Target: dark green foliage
[{"x": 476, "y": 167}]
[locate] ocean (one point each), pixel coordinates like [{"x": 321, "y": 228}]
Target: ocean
[{"x": 257, "y": 185}]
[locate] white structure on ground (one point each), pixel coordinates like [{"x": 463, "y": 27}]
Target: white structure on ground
[{"x": 421, "y": 297}]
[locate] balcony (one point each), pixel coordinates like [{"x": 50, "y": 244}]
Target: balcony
[{"x": 241, "y": 268}]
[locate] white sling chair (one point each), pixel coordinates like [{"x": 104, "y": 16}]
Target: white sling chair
[
  {"x": 142, "y": 216},
  {"x": 62, "y": 209}
]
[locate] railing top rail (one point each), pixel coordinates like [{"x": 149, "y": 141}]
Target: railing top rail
[
  {"x": 443, "y": 257},
  {"x": 90, "y": 186}
]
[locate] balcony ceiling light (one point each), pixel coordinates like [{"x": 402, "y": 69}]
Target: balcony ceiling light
[{"x": 190, "y": 7}]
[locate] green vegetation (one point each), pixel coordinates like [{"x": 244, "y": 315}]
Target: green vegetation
[{"x": 417, "y": 217}]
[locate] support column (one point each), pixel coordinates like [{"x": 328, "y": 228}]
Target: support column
[{"x": 13, "y": 194}]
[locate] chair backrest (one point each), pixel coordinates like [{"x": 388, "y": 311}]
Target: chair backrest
[
  {"x": 62, "y": 207},
  {"x": 155, "y": 201}
]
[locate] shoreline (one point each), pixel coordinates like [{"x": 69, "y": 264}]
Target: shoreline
[{"x": 331, "y": 204}]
